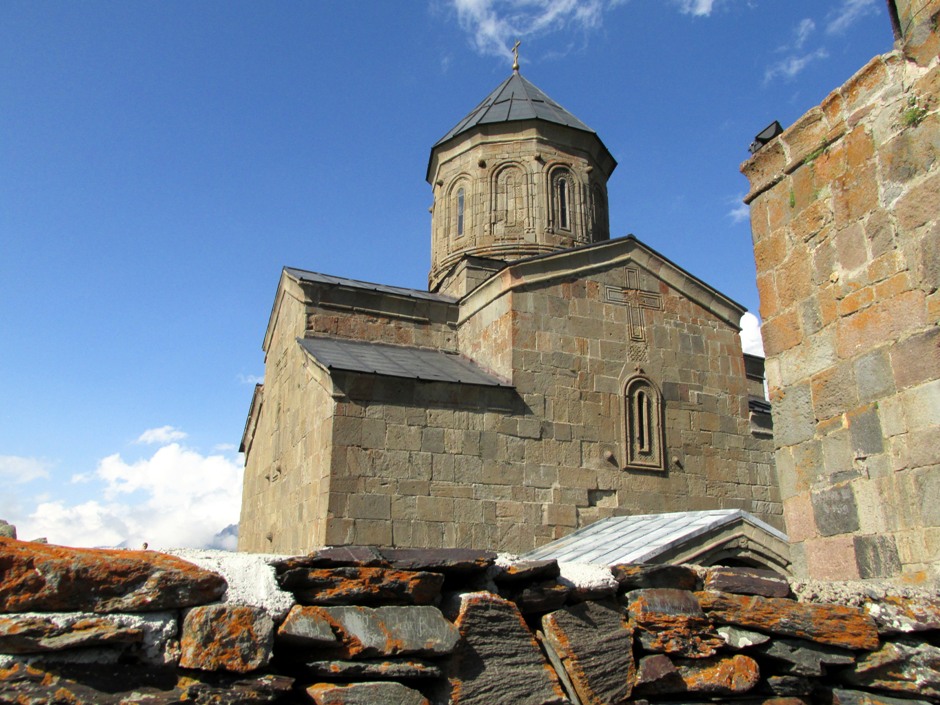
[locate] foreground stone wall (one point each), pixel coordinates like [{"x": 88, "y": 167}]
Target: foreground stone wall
[
  {"x": 844, "y": 213},
  {"x": 365, "y": 625}
]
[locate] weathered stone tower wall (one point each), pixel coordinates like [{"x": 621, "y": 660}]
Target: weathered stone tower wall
[{"x": 844, "y": 213}]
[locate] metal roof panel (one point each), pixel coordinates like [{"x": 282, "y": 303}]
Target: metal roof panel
[
  {"x": 397, "y": 361},
  {"x": 640, "y": 538},
  {"x": 515, "y": 99},
  {"x": 318, "y": 278}
]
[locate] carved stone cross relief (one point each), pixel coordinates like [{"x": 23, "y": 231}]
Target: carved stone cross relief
[{"x": 636, "y": 302}]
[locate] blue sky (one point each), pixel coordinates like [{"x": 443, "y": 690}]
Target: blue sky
[{"x": 161, "y": 161}]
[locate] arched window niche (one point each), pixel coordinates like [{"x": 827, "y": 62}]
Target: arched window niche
[
  {"x": 461, "y": 204},
  {"x": 459, "y": 208},
  {"x": 643, "y": 424},
  {"x": 562, "y": 184},
  {"x": 510, "y": 200}
]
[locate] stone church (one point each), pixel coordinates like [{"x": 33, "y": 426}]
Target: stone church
[{"x": 549, "y": 377}]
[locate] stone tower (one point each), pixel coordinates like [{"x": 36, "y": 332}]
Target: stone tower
[
  {"x": 519, "y": 176},
  {"x": 845, "y": 221}
]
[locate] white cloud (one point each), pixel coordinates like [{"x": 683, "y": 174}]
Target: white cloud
[
  {"x": 494, "y": 25},
  {"x": 751, "y": 341},
  {"x": 164, "y": 434},
  {"x": 803, "y": 31},
  {"x": 250, "y": 379},
  {"x": 740, "y": 213},
  {"x": 697, "y": 8},
  {"x": 177, "y": 497},
  {"x": 19, "y": 469},
  {"x": 848, "y": 13},
  {"x": 790, "y": 67}
]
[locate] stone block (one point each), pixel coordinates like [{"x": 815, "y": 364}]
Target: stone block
[
  {"x": 850, "y": 247},
  {"x": 369, "y": 506},
  {"x": 672, "y": 622},
  {"x": 344, "y": 585},
  {"x": 877, "y": 556},
  {"x": 365, "y": 693},
  {"x": 305, "y": 626},
  {"x": 831, "y": 559},
  {"x": 874, "y": 376},
  {"x": 595, "y": 648},
  {"x": 496, "y": 642},
  {"x": 221, "y": 637},
  {"x": 834, "y": 511},
  {"x": 781, "y": 332},
  {"x": 832, "y": 625},
  {"x": 894, "y": 614},
  {"x": 883, "y": 321},
  {"x": 834, "y": 391},
  {"x": 916, "y": 359},
  {"x": 794, "y": 418},
  {"x": 805, "y": 658},
  {"x": 865, "y": 431},
  {"x": 922, "y": 406},
  {"x": 644, "y": 575},
  {"x": 559, "y": 515},
  {"x": 47, "y": 578},
  {"x": 903, "y": 666},
  {"x": 841, "y": 696},
  {"x": 798, "y": 515},
  {"x": 388, "y": 631},
  {"x": 367, "y": 669},
  {"x": 747, "y": 581},
  {"x": 919, "y": 205},
  {"x": 106, "y": 684},
  {"x": 734, "y": 675}
]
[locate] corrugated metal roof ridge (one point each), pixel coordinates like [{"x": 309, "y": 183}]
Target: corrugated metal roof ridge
[
  {"x": 686, "y": 525},
  {"x": 308, "y": 275}
]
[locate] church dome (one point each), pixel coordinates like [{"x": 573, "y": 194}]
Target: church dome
[{"x": 518, "y": 176}]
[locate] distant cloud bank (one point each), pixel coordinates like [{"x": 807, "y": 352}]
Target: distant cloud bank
[{"x": 176, "y": 497}]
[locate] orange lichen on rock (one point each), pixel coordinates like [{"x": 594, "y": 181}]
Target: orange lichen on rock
[
  {"x": 46, "y": 578},
  {"x": 835, "y": 625}
]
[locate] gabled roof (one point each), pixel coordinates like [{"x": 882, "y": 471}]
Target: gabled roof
[
  {"x": 304, "y": 275},
  {"x": 397, "y": 361},
  {"x": 645, "y": 538},
  {"x": 516, "y": 99},
  {"x": 579, "y": 261}
]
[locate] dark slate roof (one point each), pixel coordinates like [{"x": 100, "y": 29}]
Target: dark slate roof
[
  {"x": 317, "y": 278},
  {"x": 641, "y": 538},
  {"x": 516, "y": 99},
  {"x": 757, "y": 404},
  {"x": 397, "y": 361}
]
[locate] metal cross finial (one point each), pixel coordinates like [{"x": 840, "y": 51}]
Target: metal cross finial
[{"x": 515, "y": 55}]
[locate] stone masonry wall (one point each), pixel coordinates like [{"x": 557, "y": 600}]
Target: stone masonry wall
[
  {"x": 357, "y": 626},
  {"x": 287, "y": 475},
  {"x": 844, "y": 209},
  {"x": 297, "y": 441},
  {"x": 426, "y": 464}
]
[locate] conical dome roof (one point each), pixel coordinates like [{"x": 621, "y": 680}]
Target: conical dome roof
[{"x": 515, "y": 99}]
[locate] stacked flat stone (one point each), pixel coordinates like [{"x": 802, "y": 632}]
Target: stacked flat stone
[{"x": 446, "y": 627}]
